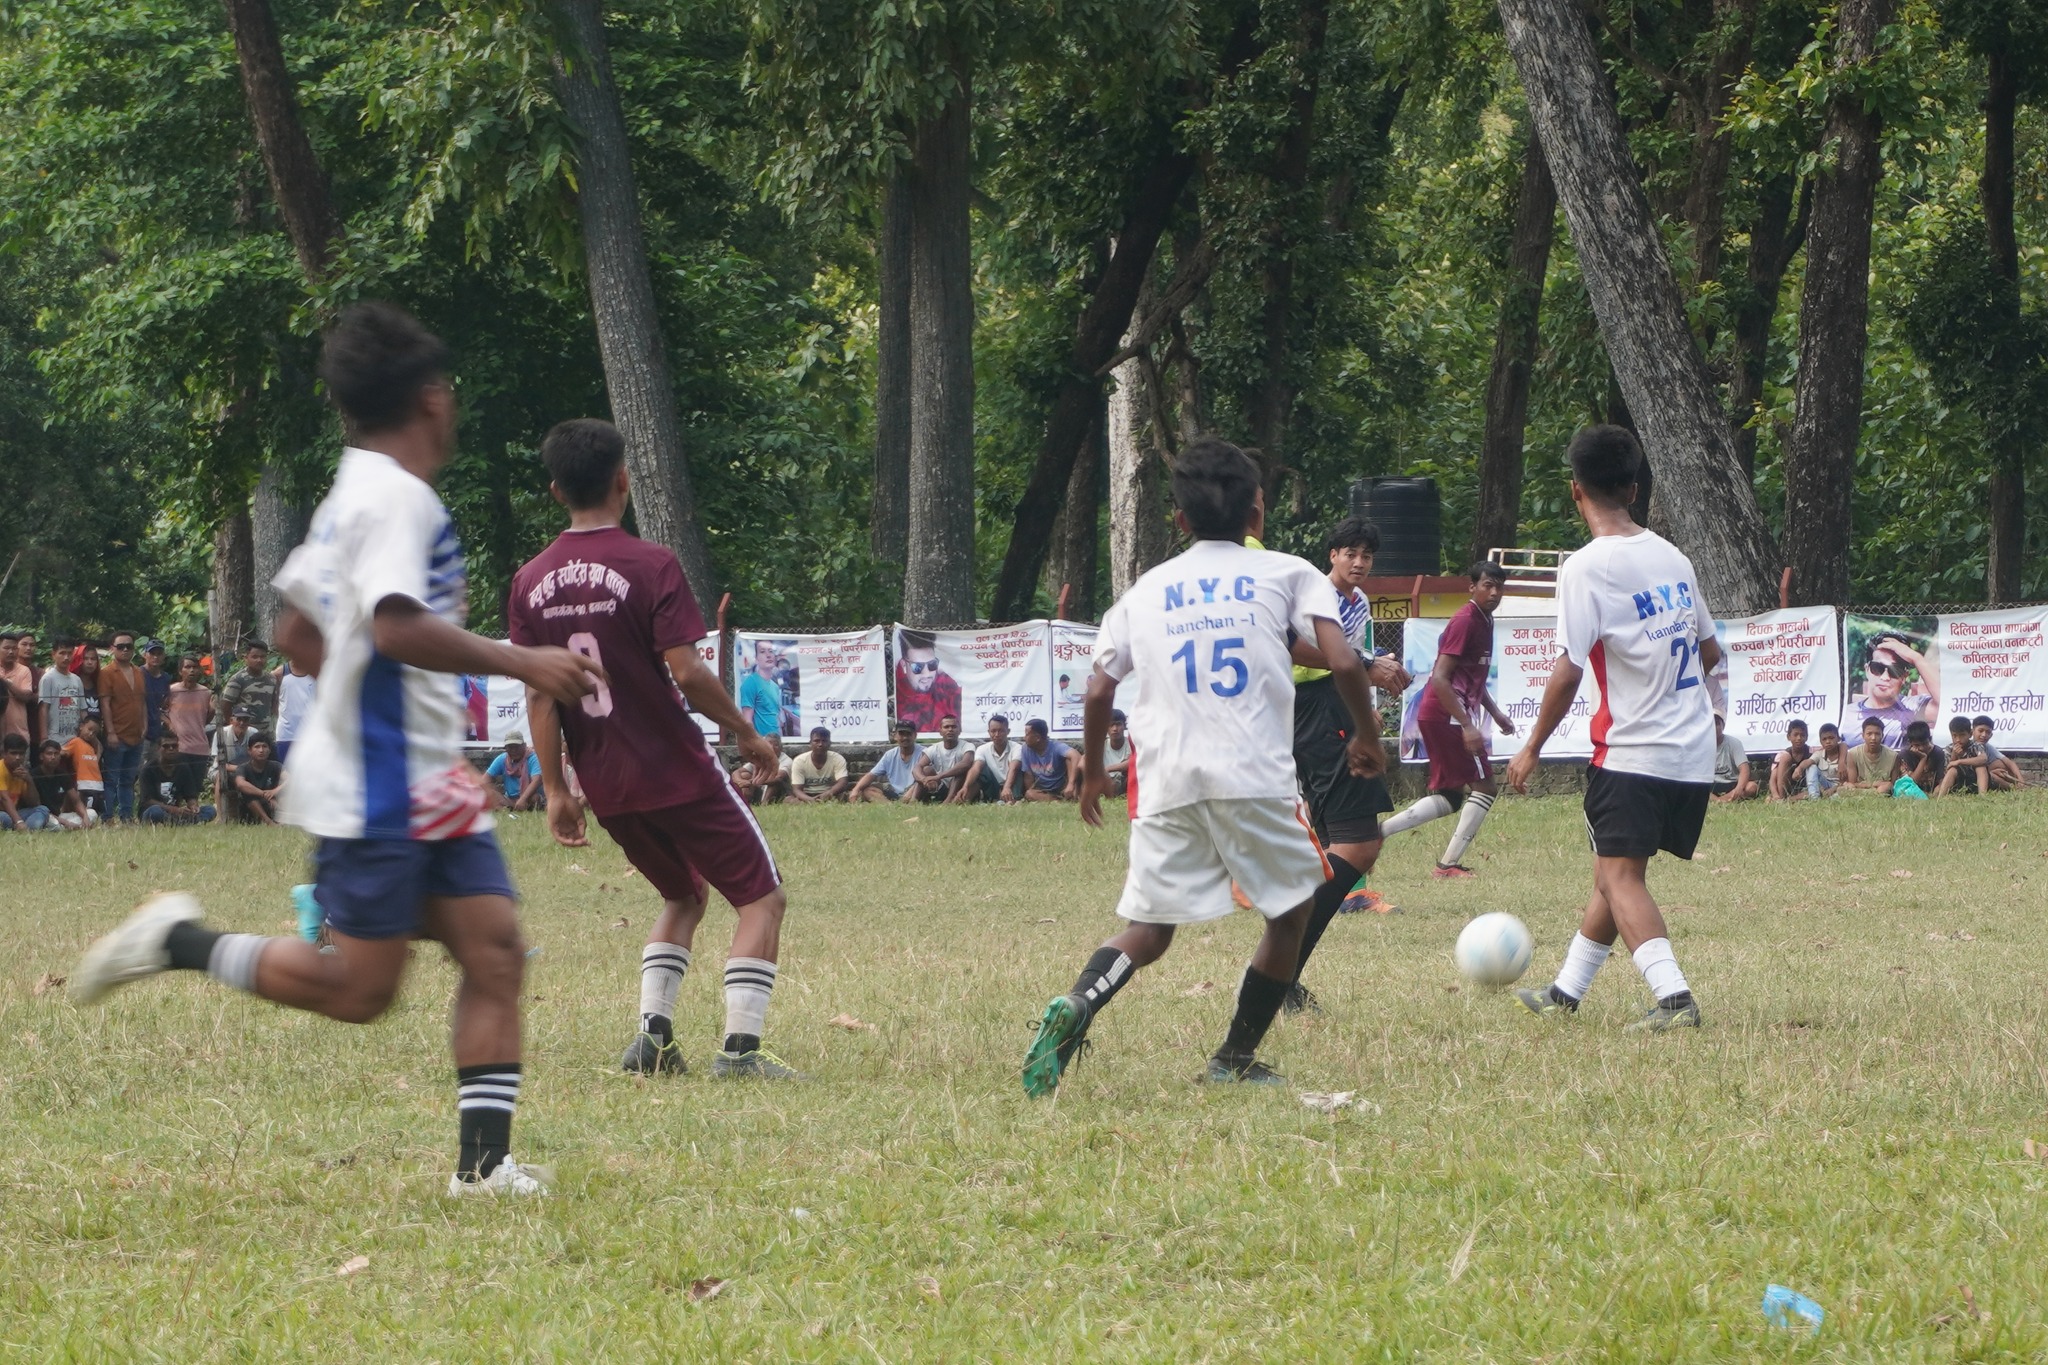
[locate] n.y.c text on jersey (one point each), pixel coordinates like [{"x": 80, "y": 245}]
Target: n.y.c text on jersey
[
  {"x": 1244, "y": 589},
  {"x": 1662, "y": 598}
]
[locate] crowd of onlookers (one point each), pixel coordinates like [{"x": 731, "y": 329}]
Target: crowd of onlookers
[
  {"x": 114, "y": 732},
  {"x": 1968, "y": 765}
]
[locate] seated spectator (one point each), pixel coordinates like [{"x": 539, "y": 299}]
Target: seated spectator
[
  {"x": 818, "y": 774},
  {"x": 942, "y": 768},
  {"x": 82, "y": 752},
  {"x": 1872, "y": 767},
  {"x": 21, "y": 807},
  {"x": 514, "y": 778},
  {"x": 170, "y": 789},
  {"x": 1922, "y": 762},
  {"x": 1116, "y": 756},
  {"x": 57, "y": 789},
  {"x": 894, "y": 776},
  {"x": 989, "y": 778},
  {"x": 1046, "y": 770},
  {"x": 1823, "y": 769},
  {"x": 2005, "y": 774},
  {"x": 749, "y": 783},
  {"x": 230, "y": 752},
  {"x": 1965, "y": 771},
  {"x": 259, "y": 779},
  {"x": 1788, "y": 769},
  {"x": 1732, "y": 780}
]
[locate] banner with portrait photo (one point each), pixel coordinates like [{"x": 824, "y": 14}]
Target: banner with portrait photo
[
  {"x": 1892, "y": 673},
  {"x": 797, "y": 682},
  {"x": 1524, "y": 649},
  {"x": 1995, "y": 663},
  {"x": 974, "y": 674},
  {"x": 1073, "y": 659},
  {"x": 1780, "y": 667}
]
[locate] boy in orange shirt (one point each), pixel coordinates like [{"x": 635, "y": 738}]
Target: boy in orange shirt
[{"x": 83, "y": 749}]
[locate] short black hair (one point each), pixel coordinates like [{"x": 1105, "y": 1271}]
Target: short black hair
[
  {"x": 1869, "y": 721},
  {"x": 1959, "y": 725},
  {"x": 919, "y": 639},
  {"x": 1918, "y": 730},
  {"x": 1794, "y": 724},
  {"x": 18, "y": 744},
  {"x": 1606, "y": 460},
  {"x": 819, "y": 730},
  {"x": 1486, "y": 568},
  {"x": 1036, "y": 726},
  {"x": 48, "y": 746},
  {"x": 998, "y": 716},
  {"x": 1828, "y": 727},
  {"x": 1986, "y": 721},
  {"x": 10, "y": 635},
  {"x": 257, "y": 737},
  {"x": 248, "y": 645},
  {"x": 1117, "y": 717},
  {"x": 583, "y": 456},
  {"x": 1353, "y": 533},
  {"x": 375, "y": 360},
  {"x": 1214, "y": 486}
]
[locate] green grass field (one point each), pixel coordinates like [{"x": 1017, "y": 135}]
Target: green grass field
[{"x": 185, "y": 1171}]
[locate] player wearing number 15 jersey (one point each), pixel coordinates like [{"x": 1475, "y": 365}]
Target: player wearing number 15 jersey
[
  {"x": 1205, "y": 637},
  {"x": 1630, "y": 612},
  {"x": 651, "y": 780}
]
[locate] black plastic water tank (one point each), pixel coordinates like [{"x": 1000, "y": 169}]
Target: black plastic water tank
[{"x": 1406, "y": 512}]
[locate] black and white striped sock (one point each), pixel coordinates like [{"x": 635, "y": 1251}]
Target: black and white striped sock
[
  {"x": 485, "y": 1097},
  {"x": 662, "y": 967},
  {"x": 749, "y": 981}
]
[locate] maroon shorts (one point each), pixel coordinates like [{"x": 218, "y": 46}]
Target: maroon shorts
[
  {"x": 1450, "y": 767},
  {"x": 680, "y": 848}
]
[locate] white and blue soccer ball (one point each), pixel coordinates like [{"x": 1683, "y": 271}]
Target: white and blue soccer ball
[{"x": 1494, "y": 949}]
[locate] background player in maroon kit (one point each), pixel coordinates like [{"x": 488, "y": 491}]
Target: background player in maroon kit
[
  {"x": 651, "y": 780},
  {"x": 1453, "y": 700}
]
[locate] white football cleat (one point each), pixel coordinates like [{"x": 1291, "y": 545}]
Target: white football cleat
[
  {"x": 133, "y": 951},
  {"x": 509, "y": 1178}
]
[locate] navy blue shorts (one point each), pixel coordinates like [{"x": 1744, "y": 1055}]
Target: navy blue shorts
[{"x": 378, "y": 888}]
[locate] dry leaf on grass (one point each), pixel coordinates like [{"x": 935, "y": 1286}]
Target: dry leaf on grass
[
  {"x": 1858, "y": 877},
  {"x": 851, "y": 1024},
  {"x": 47, "y": 982},
  {"x": 1719, "y": 870},
  {"x": 1903, "y": 873},
  {"x": 133, "y": 864},
  {"x": 929, "y": 1287},
  {"x": 1200, "y": 988},
  {"x": 913, "y": 819},
  {"x": 2036, "y": 1151},
  {"x": 707, "y": 1288},
  {"x": 577, "y": 868},
  {"x": 1048, "y": 920},
  {"x": 1327, "y": 1103},
  {"x": 619, "y": 923},
  {"x": 352, "y": 1265},
  {"x": 632, "y": 872},
  {"x": 1464, "y": 1257}
]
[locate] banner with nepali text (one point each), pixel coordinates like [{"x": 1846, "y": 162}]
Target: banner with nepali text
[
  {"x": 786, "y": 684},
  {"x": 1780, "y": 667},
  {"x": 1073, "y": 659},
  {"x": 1995, "y": 663},
  {"x": 974, "y": 674},
  {"x": 1524, "y": 649}
]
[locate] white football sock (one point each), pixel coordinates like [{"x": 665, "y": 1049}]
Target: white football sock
[
  {"x": 1660, "y": 968},
  {"x": 233, "y": 960},
  {"x": 662, "y": 966},
  {"x": 748, "y": 983},
  {"x": 1469, "y": 819},
  {"x": 1581, "y": 963},
  {"x": 1430, "y": 807}
]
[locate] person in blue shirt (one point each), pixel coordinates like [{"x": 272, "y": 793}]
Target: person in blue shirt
[
  {"x": 1045, "y": 769},
  {"x": 761, "y": 696},
  {"x": 894, "y": 776},
  {"x": 515, "y": 776}
]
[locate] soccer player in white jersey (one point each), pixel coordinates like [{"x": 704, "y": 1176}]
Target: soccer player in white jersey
[
  {"x": 1206, "y": 636},
  {"x": 1630, "y": 611},
  {"x": 376, "y": 599}
]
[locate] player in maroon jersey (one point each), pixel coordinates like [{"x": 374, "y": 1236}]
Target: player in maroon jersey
[
  {"x": 1455, "y": 702},
  {"x": 649, "y": 776}
]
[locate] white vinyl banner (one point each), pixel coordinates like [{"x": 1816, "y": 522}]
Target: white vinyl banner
[
  {"x": 497, "y": 704},
  {"x": 797, "y": 682},
  {"x": 1780, "y": 667},
  {"x": 708, "y": 650},
  {"x": 1073, "y": 659},
  {"x": 1995, "y": 663},
  {"x": 975, "y": 674},
  {"x": 1524, "y": 648}
]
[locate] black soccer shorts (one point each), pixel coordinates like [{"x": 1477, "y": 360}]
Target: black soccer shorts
[{"x": 1629, "y": 815}]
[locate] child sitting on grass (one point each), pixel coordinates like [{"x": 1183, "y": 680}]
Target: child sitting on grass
[
  {"x": 1968, "y": 772},
  {"x": 1788, "y": 769}
]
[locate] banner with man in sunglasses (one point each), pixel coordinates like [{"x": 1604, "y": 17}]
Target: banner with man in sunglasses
[
  {"x": 1894, "y": 674},
  {"x": 971, "y": 675}
]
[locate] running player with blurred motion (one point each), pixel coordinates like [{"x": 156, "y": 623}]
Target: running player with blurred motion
[
  {"x": 376, "y": 600},
  {"x": 650, "y": 778},
  {"x": 1206, "y": 634},
  {"x": 1630, "y": 611}
]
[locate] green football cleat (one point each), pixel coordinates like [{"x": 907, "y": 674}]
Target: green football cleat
[
  {"x": 1662, "y": 1017},
  {"x": 1545, "y": 1003},
  {"x": 758, "y": 1065},
  {"x": 1253, "y": 1072},
  {"x": 1062, "y": 1029},
  {"x": 649, "y": 1056}
]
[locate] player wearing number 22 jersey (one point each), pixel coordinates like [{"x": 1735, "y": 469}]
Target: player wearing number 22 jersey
[
  {"x": 1205, "y": 639},
  {"x": 646, "y": 770}
]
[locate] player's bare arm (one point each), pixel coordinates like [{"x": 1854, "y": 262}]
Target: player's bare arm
[
  {"x": 1447, "y": 697},
  {"x": 565, "y": 812},
  {"x": 299, "y": 640},
  {"x": 406, "y": 631},
  {"x": 1557, "y": 700},
  {"x": 1095, "y": 709},
  {"x": 707, "y": 696},
  {"x": 1347, "y": 675}
]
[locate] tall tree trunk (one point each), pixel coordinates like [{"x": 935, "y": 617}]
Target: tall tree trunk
[
  {"x": 938, "y": 580},
  {"x": 1774, "y": 238},
  {"x": 1514, "y": 353},
  {"x": 1820, "y": 466},
  {"x": 276, "y": 525},
  {"x": 1140, "y": 532},
  {"x": 297, "y": 183},
  {"x": 1734, "y": 28},
  {"x": 1102, "y": 325},
  {"x": 889, "y": 501},
  {"x": 231, "y": 603},
  {"x": 629, "y": 340},
  {"x": 2004, "y": 572},
  {"x": 1628, "y": 276},
  {"x": 1078, "y": 531}
]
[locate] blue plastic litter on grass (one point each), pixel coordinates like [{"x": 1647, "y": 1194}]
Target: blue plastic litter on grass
[{"x": 1789, "y": 1308}]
